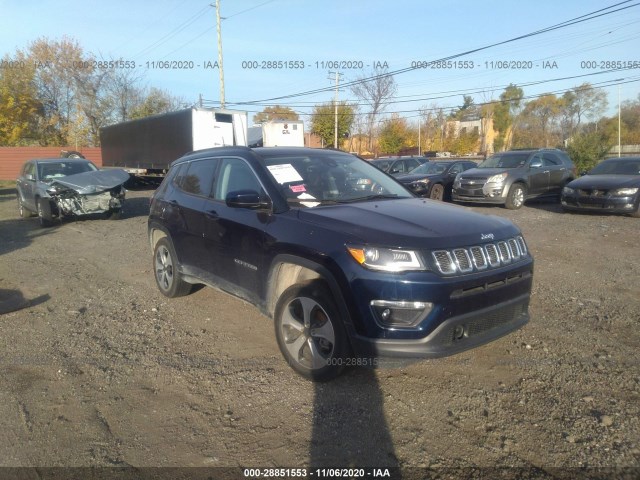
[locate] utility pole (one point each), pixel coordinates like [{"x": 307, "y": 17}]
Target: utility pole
[
  {"x": 619, "y": 145},
  {"x": 218, "y": 19},
  {"x": 335, "y": 110}
]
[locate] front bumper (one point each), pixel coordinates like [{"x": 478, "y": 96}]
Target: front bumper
[
  {"x": 600, "y": 204},
  {"x": 454, "y": 335},
  {"x": 487, "y": 193}
]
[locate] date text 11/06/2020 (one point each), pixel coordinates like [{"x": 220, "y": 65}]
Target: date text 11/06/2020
[{"x": 496, "y": 64}]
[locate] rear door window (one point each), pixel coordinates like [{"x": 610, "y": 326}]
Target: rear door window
[{"x": 198, "y": 177}]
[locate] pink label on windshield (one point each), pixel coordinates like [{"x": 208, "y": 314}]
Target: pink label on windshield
[{"x": 298, "y": 188}]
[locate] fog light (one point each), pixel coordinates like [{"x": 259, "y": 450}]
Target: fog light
[
  {"x": 400, "y": 313},
  {"x": 458, "y": 332}
]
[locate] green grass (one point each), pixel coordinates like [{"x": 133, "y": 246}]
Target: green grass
[{"x": 7, "y": 184}]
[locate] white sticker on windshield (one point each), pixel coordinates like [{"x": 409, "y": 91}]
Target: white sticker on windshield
[
  {"x": 306, "y": 196},
  {"x": 284, "y": 173}
]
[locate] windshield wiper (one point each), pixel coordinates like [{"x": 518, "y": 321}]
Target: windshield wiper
[{"x": 377, "y": 196}]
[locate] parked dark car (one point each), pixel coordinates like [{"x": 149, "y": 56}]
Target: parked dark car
[
  {"x": 434, "y": 179},
  {"x": 612, "y": 186},
  {"x": 348, "y": 276},
  {"x": 58, "y": 187},
  {"x": 398, "y": 166},
  {"x": 509, "y": 178}
]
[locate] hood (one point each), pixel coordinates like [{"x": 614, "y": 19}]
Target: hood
[
  {"x": 410, "y": 223},
  {"x": 605, "y": 182},
  {"x": 485, "y": 172},
  {"x": 93, "y": 182},
  {"x": 408, "y": 178}
]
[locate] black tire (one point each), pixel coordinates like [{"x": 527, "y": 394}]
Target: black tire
[
  {"x": 437, "y": 192},
  {"x": 516, "y": 196},
  {"x": 636, "y": 214},
  {"x": 166, "y": 270},
  {"x": 316, "y": 350},
  {"x": 22, "y": 210},
  {"x": 44, "y": 212}
]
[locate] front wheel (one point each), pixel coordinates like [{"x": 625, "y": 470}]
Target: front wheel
[
  {"x": 165, "y": 266},
  {"x": 310, "y": 332},
  {"x": 44, "y": 212},
  {"x": 115, "y": 214},
  {"x": 22, "y": 210},
  {"x": 437, "y": 192},
  {"x": 515, "y": 197}
]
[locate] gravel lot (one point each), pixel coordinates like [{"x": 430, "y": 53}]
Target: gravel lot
[{"x": 99, "y": 369}]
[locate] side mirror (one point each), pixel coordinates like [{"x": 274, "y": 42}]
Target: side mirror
[
  {"x": 29, "y": 176},
  {"x": 247, "y": 199},
  {"x": 535, "y": 164},
  {"x": 395, "y": 170}
]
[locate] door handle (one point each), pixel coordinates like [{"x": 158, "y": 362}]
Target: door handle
[{"x": 211, "y": 214}]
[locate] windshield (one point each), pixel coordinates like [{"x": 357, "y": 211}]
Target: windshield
[
  {"x": 430, "y": 168},
  {"x": 617, "y": 167},
  {"x": 311, "y": 180},
  {"x": 50, "y": 170},
  {"x": 505, "y": 160}
]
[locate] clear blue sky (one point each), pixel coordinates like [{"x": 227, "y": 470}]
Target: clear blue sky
[{"x": 366, "y": 31}]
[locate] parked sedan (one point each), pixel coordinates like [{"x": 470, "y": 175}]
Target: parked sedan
[
  {"x": 398, "y": 166},
  {"x": 58, "y": 187},
  {"x": 434, "y": 179},
  {"x": 612, "y": 186}
]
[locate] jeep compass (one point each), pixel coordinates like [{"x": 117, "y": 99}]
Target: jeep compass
[{"x": 348, "y": 276}]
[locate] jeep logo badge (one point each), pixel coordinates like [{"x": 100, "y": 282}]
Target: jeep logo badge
[{"x": 486, "y": 236}]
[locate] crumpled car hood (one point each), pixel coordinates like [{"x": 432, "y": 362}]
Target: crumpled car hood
[{"x": 91, "y": 182}]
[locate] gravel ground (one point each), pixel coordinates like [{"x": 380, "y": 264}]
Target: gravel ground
[{"x": 99, "y": 369}]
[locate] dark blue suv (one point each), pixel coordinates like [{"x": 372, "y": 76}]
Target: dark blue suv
[{"x": 349, "y": 276}]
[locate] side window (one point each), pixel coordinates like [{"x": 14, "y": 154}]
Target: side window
[
  {"x": 235, "y": 174},
  {"x": 457, "y": 168},
  {"x": 411, "y": 164},
  {"x": 198, "y": 179},
  {"x": 29, "y": 169},
  {"x": 536, "y": 159},
  {"x": 399, "y": 167},
  {"x": 551, "y": 160}
]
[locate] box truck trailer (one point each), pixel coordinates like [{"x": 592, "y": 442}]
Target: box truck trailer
[
  {"x": 146, "y": 146},
  {"x": 278, "y": 133}
]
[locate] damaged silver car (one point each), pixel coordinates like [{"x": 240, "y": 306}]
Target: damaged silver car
[{"x": 69, "y": 187}]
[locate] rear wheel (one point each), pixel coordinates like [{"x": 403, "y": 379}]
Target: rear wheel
[
  {"x": 44, "y": 212},
  {"x": 165, "y": 266},
  {"x": 515, "y": 197},
  {"x": 437, "y": 192},
  {"x": 310, "y": 332}
]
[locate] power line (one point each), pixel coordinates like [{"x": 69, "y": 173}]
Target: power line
[
  {"x": 599, "y": 85},
  {"x": 573, "y": 21},
  {"x": 440, "y": 95},
  {"x": 248, "y": 9},
  {"x": 164, "y": 39}
]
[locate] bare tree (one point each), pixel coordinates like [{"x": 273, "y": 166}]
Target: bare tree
[
  {"x": 375, "y": 90},
  {"x": 125, "y": 92}
]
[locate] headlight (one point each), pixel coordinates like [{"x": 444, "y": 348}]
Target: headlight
[
  {"x": 567, "y": 191},
  {"x": 387, "y": 259},
  {"x": 422, "y": 180},
  {"x": 499, "y": 178},
  {"x": 625, "y": 191}
]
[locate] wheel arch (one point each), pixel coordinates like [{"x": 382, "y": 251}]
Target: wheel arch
[{"x": 287, "y": 270}]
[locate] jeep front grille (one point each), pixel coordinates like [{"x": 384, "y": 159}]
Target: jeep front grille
[{"x": 479, "y": 257}]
